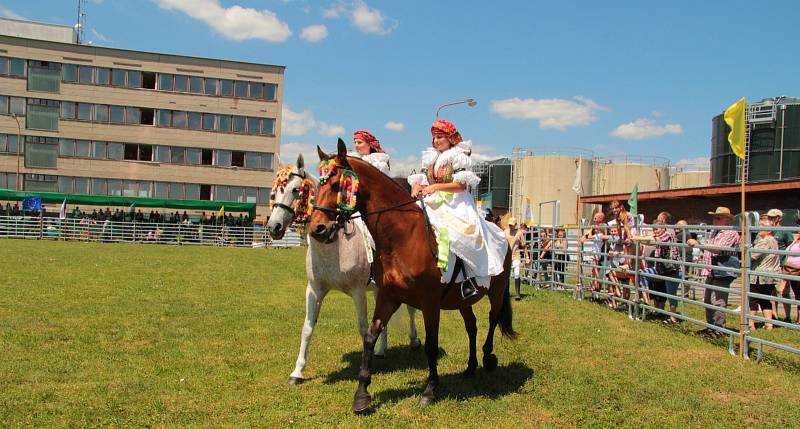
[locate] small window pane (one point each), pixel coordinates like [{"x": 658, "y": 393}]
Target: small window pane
[
  {"x": 130, "y": 188},
  {"x": 196, "y": 85},
  {"x": 65, "y": 184},
  {"x": 179, "y": 119},
  {"x": 250, "y": 195},
  {"x": 222, "y": 158},
  {"x": 69, "y": 72},
  {"x": 178, "y": 155},
  {"x": 256, "y": 90},
  {"x": 193, "y": 156},
  {"x": 12, "y": 143},
  {"x": 42, "y": 117},
  {"x": 266, "y": 161},
  {"x": 82, "y": 185},
  {"x": 133, "y": 115},
  {"x": 239, "y": 124},
  {"x": 66, "y": 147},
  {"x": 161, "y": 154},
  {"x": 176, "y": 190},
  {"x": 268, "y": 126},
  {"x": 114, "y": 187},
  {"x": 118, "y": 77},
  {"x": 145, "y": 189},
  {"x": 240, "y": 89},
  {"x": 3, "y": 104},
  {"x": 209, "y": 121},
  {"x": 270, "y": 92},
  {"x": 101, "y": 113},
  {"x": 83, "y": 148},
  {"x": 85, "y": 111},
  {"x": 164, "y": 117},
  {"x": 117, "y": 115},
  {"x": 68, "y": 110},
  {"x": 17, "y": 67},
  {"x": 181, "y": 83},
  {"x": 221, "y": 193},
  {"x": 85, "y": 74},
  {"x": 18, "y": 105},
  {"x": 161, "y": 190},
  {"x": 263, "y": 195},
  {"x": 3, "y": 147},
  {"x": 99, "y": 150},
  {"x": 145, "y": 152},
  {"x": 224, "y": 123},
  {"x": 115, "y": 150},
  {"x": 211, "y": 86},
  {"x": 41, "y": 155},
  {"x": 251, "y": 160},
  {"x": 253, "y": 125},
  {"x": 236, "y": 194},
  {"x": 134, "y": 79},
  {"x": 98, "y": 186},
  {"x": 102, "y": 76},
  {"x": 226, "y": 88},
  {"x": 195, "y": 120},
  {"x": 165, "y": 82},
  {"x": 3, "y": 65},
  {"x": 192, "y": 191}
]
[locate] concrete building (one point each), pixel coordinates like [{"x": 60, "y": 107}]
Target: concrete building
[{"x": 105, "y": 121}]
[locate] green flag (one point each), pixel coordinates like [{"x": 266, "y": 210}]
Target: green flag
[{"x": 633, "y": 201}]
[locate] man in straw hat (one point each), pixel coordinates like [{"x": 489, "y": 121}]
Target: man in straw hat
[
  {"x": 516, "y": 241},
  {"x": 721, "y": 217}
]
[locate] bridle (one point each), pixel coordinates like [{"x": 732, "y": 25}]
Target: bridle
[{"x": 297, "y": 217}]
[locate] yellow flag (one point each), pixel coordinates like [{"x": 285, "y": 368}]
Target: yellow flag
[
  {"x": 222, "y": 211},
  {"x": 735, "y": 118}
]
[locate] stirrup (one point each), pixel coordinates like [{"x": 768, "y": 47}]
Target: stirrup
[{"x": 468, "y": 289}]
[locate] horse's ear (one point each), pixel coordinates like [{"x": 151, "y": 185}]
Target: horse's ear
[
  {"x": 300, "y": 162},
  {"x": 322, "y": 155},
  {"x": 341, "y": 149}
]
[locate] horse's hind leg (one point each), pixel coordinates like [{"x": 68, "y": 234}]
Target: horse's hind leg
[
  {"x": 470, "y": 323},
  {"x": 384, "y": 308},
  {"x": 314, "y": 297},
  {"x": 412, "y": 328}
]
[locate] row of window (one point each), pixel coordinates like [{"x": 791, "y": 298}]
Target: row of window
[
  {"x": 44, "y": 114},
  {"x": 136, "y": 188},
  {"x": 42, "y": 152},
  {"x": 46, "y": 76}
]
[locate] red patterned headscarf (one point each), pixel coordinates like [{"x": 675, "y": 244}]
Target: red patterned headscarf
[
  {"x": 443, "y": 126},
  {"x": 374, "y": 144}
]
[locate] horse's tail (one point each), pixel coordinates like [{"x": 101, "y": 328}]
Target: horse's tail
[{"x": 506, "y": 315}]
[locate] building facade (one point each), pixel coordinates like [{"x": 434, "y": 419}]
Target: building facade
[{"x": 83, "y": 119}]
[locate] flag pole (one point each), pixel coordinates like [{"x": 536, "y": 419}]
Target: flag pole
[{"x": 742, "y": 240}]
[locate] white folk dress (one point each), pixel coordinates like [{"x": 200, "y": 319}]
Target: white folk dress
[
  {"x": 381, "y": 162},
  {"x": 459, "y": 227}
]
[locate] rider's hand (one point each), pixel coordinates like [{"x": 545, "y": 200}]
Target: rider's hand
[{"x": 429, "y": 190}]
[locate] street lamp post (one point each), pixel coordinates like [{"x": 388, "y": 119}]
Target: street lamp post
[
  {"x": 19, "y": 136},
  {"x": 469, "y": 102}
]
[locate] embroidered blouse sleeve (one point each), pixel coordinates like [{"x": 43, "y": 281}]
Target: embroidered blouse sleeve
[
  {"x": 462, "y": 168},
  {"x": 428, "y": 158}
]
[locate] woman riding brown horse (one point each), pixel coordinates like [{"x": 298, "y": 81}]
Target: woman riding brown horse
[{"x": 405, "y": 266}]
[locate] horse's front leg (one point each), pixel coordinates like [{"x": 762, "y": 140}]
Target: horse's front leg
[
  {"x": 431, "y": 318},
  {"x": 384, "y": 308},
  {"x": 471, "y": 325},
  {"x": 359, "y": 296},
  {"x": 412, "y": 328},
  {"x": 314, "y": 297}
]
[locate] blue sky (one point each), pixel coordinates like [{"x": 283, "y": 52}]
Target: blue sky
[{"x": 633, "y": 77}]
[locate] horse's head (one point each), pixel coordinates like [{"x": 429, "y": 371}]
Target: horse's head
[
  {"x": 336, "y": 197},
  {"x": 291, "y": 199}
]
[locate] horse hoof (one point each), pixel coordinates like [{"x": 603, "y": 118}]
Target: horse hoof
[
  {"x": 490, "y": 362},
  {"x": 361, "y": 402},
  {"x": 294, "y": 381},
  {"x": 427, "y": 399},
  {"x": 416, "y": 344}
]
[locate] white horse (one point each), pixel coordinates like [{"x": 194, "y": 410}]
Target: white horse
[{"x": 337, "y": 265}]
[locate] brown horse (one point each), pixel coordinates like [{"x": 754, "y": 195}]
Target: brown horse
[{"x": 405, "y": 267}]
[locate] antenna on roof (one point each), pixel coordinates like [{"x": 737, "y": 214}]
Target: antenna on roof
[{"x": 81, "y": 25}]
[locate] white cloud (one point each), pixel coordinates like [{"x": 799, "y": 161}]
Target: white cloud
[
  {"x": 99, "y": 36},
  {"x": 395, "y": 126},
  {"x": 551, "y": 113},
  {"x": 403, "y": 166},
  {"x": 330, "y": 130},
  {"x": 235, "y": 22},
  {"x": 645, "y": 128},
  {"x": 367, "y": 19},
  {"x": 657, "y": 114},
  {"x": 296, "y": 123},
  {"x": 314, "y": 33},
  {"x": 289, "y": 152},
  {"x": 8, "y": 13}
]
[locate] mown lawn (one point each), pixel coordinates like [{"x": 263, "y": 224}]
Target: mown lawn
[{"x": 166, "y": 336}]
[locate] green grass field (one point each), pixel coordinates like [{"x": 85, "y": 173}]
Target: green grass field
[{"x": 166, "y": 336}]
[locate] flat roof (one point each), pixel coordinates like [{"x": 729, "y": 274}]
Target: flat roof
[
  {"x": 91, "y": 50},
  {"x": 710, "y": 191}
]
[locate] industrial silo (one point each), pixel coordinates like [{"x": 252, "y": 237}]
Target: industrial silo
[
  {"x": 619, "y": 175},
  {"x": 773, "y": 145}
]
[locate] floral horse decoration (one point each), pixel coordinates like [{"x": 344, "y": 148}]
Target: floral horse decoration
[{"x": 303, "y": 206}]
